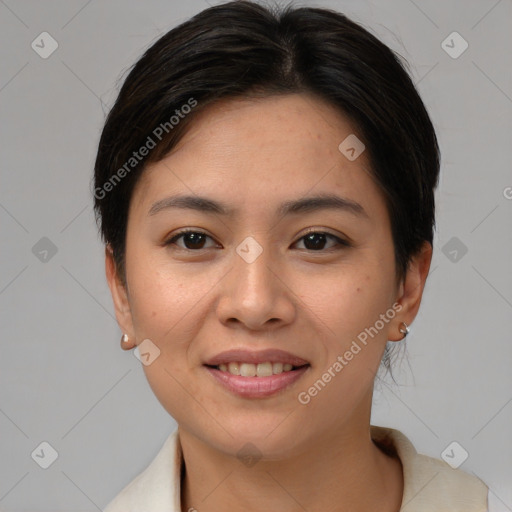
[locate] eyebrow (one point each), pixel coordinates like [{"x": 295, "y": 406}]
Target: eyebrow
[{"x": 303, "y": 205}]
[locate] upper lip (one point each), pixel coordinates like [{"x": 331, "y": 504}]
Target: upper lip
[{"x": 255, "y": 357}]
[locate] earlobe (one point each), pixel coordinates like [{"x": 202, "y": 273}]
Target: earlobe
[
  {"x": 411, "y": 290},
  {"x": 119, "y": 294}
]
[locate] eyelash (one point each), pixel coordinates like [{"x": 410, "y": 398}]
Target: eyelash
[{"x": 340, "y": 242}]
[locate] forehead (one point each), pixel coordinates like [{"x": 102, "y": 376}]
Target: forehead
[
  {"x": 261, "y": 149},
  {"x": 265, "y": 125}
]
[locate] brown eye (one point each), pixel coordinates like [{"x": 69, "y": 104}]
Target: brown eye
[
  {"x": 192, "y": 240},
  {"x": 316, "y": 241}
]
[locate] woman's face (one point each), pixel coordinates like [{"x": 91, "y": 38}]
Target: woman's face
[{"x": 271, "y": 272}]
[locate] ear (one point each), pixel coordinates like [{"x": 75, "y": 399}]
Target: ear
[
  {"x": 411, "y": 288},
  {"x": 119, "y": 295}
]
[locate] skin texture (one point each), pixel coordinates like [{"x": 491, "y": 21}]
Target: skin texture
[{"x": 194, "y": 303}]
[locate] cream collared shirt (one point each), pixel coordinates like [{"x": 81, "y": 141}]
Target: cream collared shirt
[{"x": 430, "y": 485}]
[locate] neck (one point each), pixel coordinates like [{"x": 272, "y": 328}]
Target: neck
[{"x": 343, "y": 471}]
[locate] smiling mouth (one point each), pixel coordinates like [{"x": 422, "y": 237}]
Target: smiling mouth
[{"x": 266, "y": 369}]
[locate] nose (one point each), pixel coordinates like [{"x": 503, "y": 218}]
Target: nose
[{"x": 256, "y": 295}]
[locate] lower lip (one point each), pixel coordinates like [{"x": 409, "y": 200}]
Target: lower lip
[{"x": 257, "y": 387}]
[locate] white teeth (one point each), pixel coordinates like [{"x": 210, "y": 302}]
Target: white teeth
[
  {"x": 234, "y": 368},
  {"x": 264, "y": 370},
  {"x": 277, "y": 368},
  {"x": 255, "y": 370},
  {"x": 248, "y": 370}
]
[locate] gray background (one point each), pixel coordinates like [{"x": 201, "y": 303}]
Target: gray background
[{"x": 63, "y": 377}]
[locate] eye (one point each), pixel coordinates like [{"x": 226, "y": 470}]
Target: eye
[
  {"x": 313, "y": 241},
  {"x": 193, "y": 240},
  {"x": 316, "y": 240}
]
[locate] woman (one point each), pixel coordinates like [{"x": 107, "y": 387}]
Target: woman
[{"x": 265, "y": 186}]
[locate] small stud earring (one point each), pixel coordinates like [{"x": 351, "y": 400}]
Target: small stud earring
[
  {"x": 404, "y": 331},
  {"x": 125, "y": 342}
]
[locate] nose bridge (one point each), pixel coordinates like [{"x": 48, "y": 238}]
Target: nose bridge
[
  {"x": 254, "y": 277},
  {"x": 253, "y": 293}
]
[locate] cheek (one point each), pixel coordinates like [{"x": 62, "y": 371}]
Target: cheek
[
  {"x": 164, "y": 307},
  {"x": 161, "y": 295},
  {"x": 348, "y": 299},
  {"x": 349, "y": 309}
]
